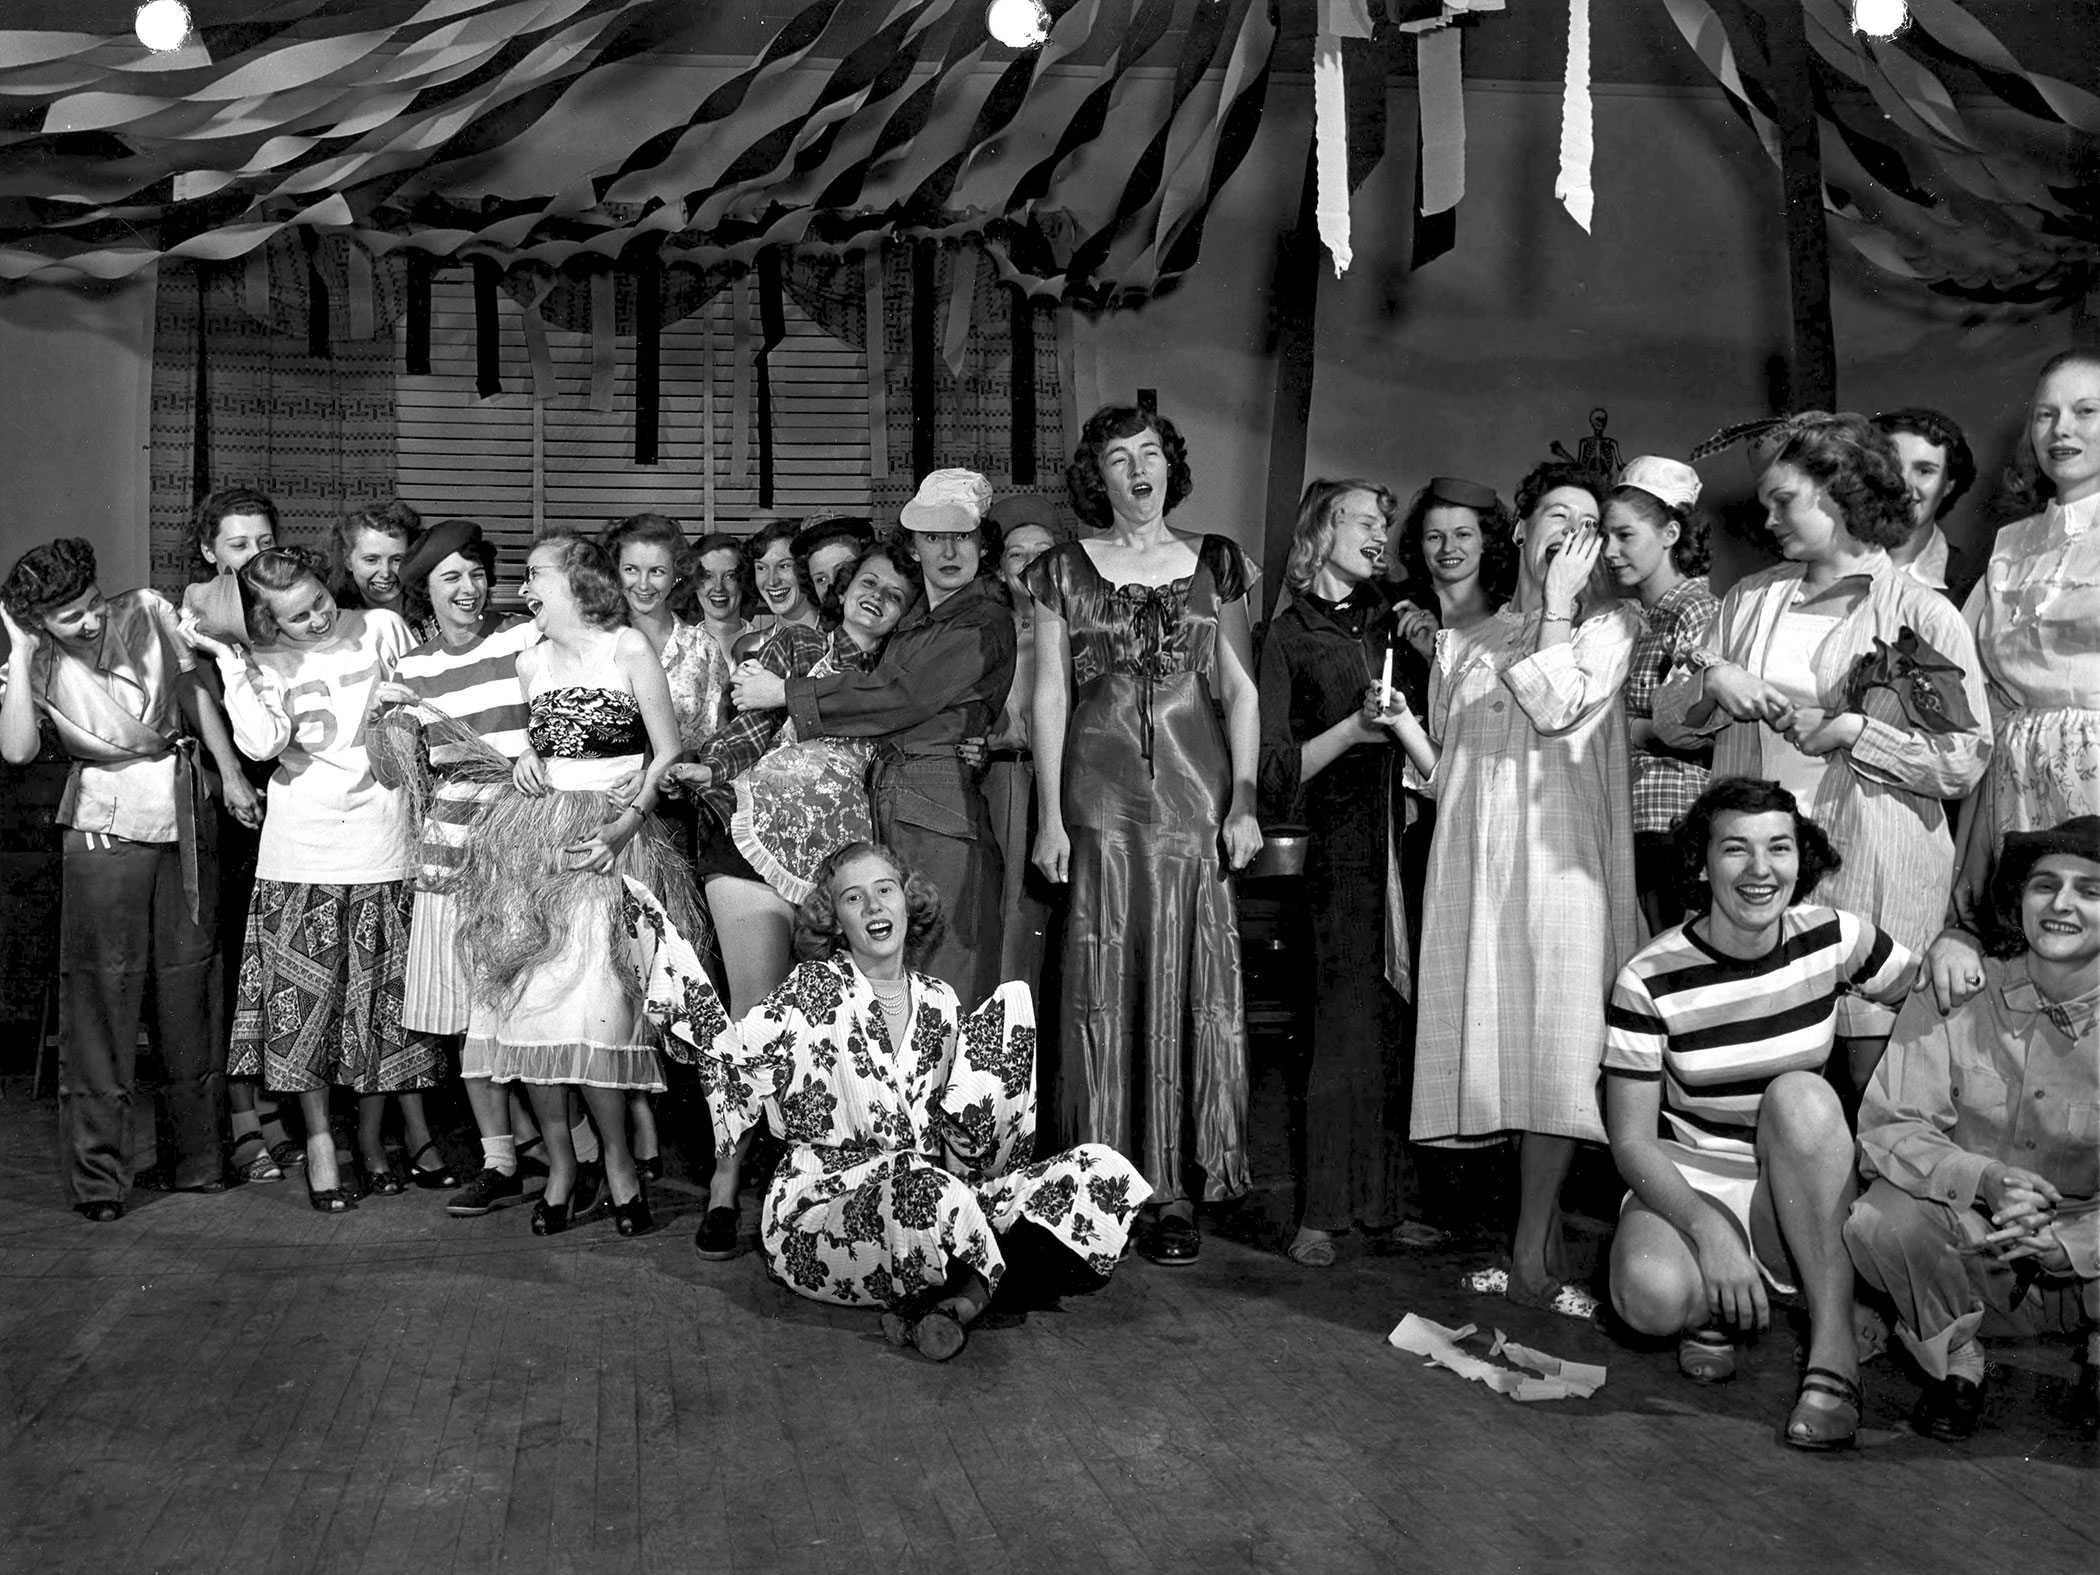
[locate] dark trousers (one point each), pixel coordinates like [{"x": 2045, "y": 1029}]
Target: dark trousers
[
  {"x": 124, "y": 927},
  {"x": 930, "y": 812}
]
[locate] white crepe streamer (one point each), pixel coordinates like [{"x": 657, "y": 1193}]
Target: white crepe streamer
[
  {"x": 1440, "y": 67},
  {"x": 1577, "y": 123},
  {"x": 1331, "y": 141}
]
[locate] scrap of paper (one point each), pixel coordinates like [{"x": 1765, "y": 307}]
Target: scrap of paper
[{"x": 1549, "y": 1378}]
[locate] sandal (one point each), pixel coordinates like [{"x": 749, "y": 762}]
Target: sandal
[
  {"x": 443, "y": 1178},
  {"x": 1823, "y": 1429},
  {"x": 1311, "y": 1252},
  {"x": 336, "y": 1200},
  {"x": 1706, "y": 1356},
  {"x": 289, "y": 1155},
  {"x": 937, "y": 1336},
  {"x": 252, "y": 1160},
  {"x": 385, "y": 1182}
]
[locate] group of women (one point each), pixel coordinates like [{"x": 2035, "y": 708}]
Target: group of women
[{"x": 1494, "y": 720}]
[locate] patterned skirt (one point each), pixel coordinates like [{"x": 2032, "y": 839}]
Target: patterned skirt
[
  {"x": 798, "y": 806},
  {"x": 321, "y": 983}
]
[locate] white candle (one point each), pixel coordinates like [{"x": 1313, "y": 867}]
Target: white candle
[{"x": 1385, "y": 682}]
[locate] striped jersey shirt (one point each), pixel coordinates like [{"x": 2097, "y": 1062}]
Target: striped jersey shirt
[
  {"x": 477, "y": 684},
  {"x": 1717, "y": 1029}
]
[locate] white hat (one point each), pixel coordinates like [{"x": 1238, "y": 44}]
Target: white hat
[
  {"x": 1671, "y": 480},
  {"x": 948, "y": 500}
]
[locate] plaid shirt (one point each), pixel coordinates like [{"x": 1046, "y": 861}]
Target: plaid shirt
[{"x": 1666, "y": 781}]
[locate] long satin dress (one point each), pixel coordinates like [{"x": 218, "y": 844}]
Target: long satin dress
[{"x": 1153, "y": 1041}]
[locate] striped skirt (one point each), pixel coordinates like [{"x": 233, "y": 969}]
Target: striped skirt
[
  {"x": 319, "y": 1004},
  {"x": 436, "y": 992}
]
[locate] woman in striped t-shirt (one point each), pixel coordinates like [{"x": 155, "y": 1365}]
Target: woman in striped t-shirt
[{"x": 1721, "y": 1028}]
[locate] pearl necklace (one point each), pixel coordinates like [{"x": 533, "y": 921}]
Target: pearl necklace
[{"x": 893, "y": 996}]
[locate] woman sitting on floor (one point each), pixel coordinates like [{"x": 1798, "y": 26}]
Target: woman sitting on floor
[
  {"x": 1722, "y": 1026},
  {"x": 1977, "y": 1138},
  {"x": 910, "y": 1128}
]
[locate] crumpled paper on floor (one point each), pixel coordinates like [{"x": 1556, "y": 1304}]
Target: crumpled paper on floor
[{"x": 1549, "y": 1378}]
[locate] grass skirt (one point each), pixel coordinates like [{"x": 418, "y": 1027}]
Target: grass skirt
[
  {"x": 557, "y": 975},
  {"x": 319, "y": 1000}
]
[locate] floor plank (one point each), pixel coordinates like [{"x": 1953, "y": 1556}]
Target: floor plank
[{"x": 236, "y": 1384}]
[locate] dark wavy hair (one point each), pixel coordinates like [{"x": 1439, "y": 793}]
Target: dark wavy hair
[
  {"x": 1853, "y": 461},
  {"x": 657, "y": 530},
  {"x": 818, "y": 933},
  {"x": 415, "y": 589},
  {"x": 1313, "y": 536},
  {"x": 276, "y": 571},
  {"x": 1938, "y": 428},
  {"x": 688, "y": 603},
  {"x": 2024, "y": 489},
  {"x": 217, "y": 507},
  {"x": 1083, "y": 483},
  {"x": 1819, "y": 858},
  {"x": 1549, "y": 474},
  {"x": 391, "y": 518},
  {"x": 891, "y": 551},
  {"x": 760, "y": 542},
  {"x": 1689, "y": 552},
  {"x": 2004, "y": 933},
  {"x": 594, "y": 579},
  {"x": 1498, "y": 550},
  {"x": 48, "y": 576}
]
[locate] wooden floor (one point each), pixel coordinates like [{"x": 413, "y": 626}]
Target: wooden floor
[{"x": 239, "y": 1384}]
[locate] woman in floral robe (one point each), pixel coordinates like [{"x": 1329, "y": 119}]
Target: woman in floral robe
[{"x": 908, "y": 1184}]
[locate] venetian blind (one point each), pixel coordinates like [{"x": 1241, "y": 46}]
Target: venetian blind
[{"x": 502, "y": 463}]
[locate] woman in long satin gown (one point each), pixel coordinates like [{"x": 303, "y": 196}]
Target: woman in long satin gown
[{"x": 1145, "y": 799}]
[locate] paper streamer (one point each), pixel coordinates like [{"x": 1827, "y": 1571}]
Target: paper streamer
[
  {"x": 740, "y": 390},
  {"x": 877, "y": 362},
  {"x": 962, "y": 297},
  {"x": 1440, "y": 68},
  {"x": 1331, "y": 150},
  {"x": 604, "y": 343},
  {"x": 1577, "y": 122},
  {"x": 538, "y": 354},
  {"x": 1549, "y": 1377}
]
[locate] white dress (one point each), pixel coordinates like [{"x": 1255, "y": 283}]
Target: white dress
[{"x": 1529, "y": 909}]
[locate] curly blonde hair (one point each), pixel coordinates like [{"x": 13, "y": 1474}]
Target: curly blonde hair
[{"x": 818, "y": 933}]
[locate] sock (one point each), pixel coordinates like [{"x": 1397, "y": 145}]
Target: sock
[
  {"x": 1966, "y": 1361},
  {"x": 500, "y": 1154},
  {"x": 585, "y": 1138}
]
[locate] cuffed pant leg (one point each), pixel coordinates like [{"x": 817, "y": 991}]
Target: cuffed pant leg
[
  {"x": 1910, "y": 1249},
  {"x": 104, "y": 950},
  {"x": 190, "y": 1004}
]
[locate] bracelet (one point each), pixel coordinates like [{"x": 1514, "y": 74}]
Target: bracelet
[{"x": 1556, "y": 617}]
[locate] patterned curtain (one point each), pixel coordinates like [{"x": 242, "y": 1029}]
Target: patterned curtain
[
  {"x": 315, "y": 433},
  {"x": 973, "y": 410}
]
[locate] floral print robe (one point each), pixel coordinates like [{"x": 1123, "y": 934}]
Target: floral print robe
[{"x": 902, "y": 1157}]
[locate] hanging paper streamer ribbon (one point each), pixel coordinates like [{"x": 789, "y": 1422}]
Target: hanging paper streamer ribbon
[
  {"x": 648, "y": 352},
  {"x": 1577, "y": 120},
  {"x": 538, "y": 354},
  {"x": 604, "y": 344},
  {"x": 740, "y": 382},
  {"x": 962, "y": 298},
  {"x": 1338, "y": 19},
  {"x": 772, "y": 328},
  {"x": 1440, "y": 63},
  {"x": 878, "y": 363}
]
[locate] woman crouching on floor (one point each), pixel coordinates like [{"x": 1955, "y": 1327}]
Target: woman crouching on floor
[
  {"x": 1722, "y": 1026},
  {"x": 910, "y": 1127}
]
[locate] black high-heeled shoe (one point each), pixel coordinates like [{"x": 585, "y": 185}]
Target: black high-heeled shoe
[
  {"x": 444, "y": 1178},
  {"x": 550, "y": 1219},
  {"x": 632, "y": 1218}
]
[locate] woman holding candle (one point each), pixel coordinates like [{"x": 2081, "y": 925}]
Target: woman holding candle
[{"x": 1327, "y": 764}]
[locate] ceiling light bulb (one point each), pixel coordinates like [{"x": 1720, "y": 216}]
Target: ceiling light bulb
[
  {"x": 162, "y": 25},
  {"x": 1879, "y": 18},
  {"x": 1018, "y": 24}
]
